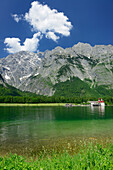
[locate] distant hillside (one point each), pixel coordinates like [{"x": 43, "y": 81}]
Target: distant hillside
[
  {"x": 12, "y": 91},
  {"x": 79, "y": 88},
  {"x": 7, "y": 90}
]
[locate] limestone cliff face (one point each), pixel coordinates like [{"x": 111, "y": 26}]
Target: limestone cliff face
[
  {"x": 39, "y": 72},
  {"x": 17, "y": 67},
  {"x": 2, "y": 80}
]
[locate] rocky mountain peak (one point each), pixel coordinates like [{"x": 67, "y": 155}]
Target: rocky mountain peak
[
  {"x": 58, "y": 49},
  {"x": 16, "y": 67},
  {"x": 39, "y": 72}
]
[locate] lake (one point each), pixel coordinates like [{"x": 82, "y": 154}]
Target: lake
[{"x": 29, "y": 129}]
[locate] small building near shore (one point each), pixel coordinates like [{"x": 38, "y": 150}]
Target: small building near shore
[{"x": 100, "y": 102}]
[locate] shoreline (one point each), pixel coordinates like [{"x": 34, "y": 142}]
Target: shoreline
[
  {"x": 41, "y": 104},
  {"x": 46, "y": 104},
  {"x": 30, "y": 104},
  {"x": 94, "y": 155}
]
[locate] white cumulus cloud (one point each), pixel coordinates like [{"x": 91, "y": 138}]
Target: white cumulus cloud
[
  {"x": 51, "y": 35},
  {"x": 16, "y": 17},
  {"x": 30, "y": 44},
  {"x": 45, "y": 22},
  {"x": 13, "y": 44},
  {"x": 48, "y": 21}
]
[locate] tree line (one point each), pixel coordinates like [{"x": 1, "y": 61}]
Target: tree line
[{"x": 52, "y": 99}]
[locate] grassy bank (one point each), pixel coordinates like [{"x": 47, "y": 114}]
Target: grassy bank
[
  {"x": 26, "y": 104},
  {"x": 90, "y": 156},
  {"x": 41, "y": 104}
]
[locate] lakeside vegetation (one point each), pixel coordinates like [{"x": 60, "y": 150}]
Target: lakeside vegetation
[
  {"x": 71, "y": 91},
  {"x": 89, "y": 156},
  {"x": 55, "y": 100},
  {"x": 31, "y": 104}
]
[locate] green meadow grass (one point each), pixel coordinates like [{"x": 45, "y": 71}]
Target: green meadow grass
[
  {"x": 89, "y": 157},
  {"x": 26, "y": 104}
]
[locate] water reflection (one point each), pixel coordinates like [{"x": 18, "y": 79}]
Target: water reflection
[
  {"x": 26, "y": 113},
  {"x": 98, "y": 109},
  {"x": 42, "y": 125}
]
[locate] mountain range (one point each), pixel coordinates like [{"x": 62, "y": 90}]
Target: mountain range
[{"x": 81, "y": 70}]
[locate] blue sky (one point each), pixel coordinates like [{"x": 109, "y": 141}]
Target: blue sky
[{"x": 44, "y": 24}]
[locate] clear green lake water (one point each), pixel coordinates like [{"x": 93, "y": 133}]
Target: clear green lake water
[{"x": 29, "y": 128}]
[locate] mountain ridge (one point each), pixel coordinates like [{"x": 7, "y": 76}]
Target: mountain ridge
[{"x": 39, "y": 73}]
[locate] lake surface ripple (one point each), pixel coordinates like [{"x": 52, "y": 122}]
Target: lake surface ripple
[{"x": 30, "y": 129}]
